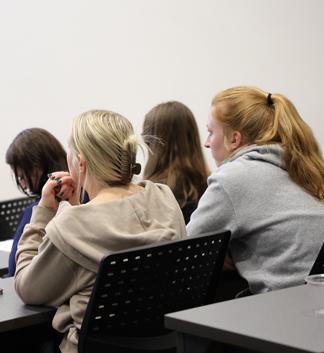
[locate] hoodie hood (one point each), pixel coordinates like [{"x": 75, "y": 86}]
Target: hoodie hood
[
  {"x": 272, "y": 154},
  {"x": 86, "y": 233}
]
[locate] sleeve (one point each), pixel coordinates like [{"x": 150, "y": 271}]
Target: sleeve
[
  {"x": 215, "y": 211},
  {"x": 44, "y": 276},
  {"x": 24, "y": 220}
]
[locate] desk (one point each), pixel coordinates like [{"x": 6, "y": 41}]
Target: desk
[
  {"x": 283, "y": 321},
  {"x": 4, "y": 256},
  {"x": 6, "y": 245},
  {"x": 14, "y": 314}
]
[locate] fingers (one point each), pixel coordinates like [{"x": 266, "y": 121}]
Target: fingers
[
  {"x": 58, "y": 179},
  {"x": 64, "y": 192},
  {"x": 61, "y": 184}
]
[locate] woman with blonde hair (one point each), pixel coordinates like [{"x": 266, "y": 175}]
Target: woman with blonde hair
[
  {"x": 176, "y": 157},
  {"x": 268, "y": 189},
  {"x": 60, "y": 250}
]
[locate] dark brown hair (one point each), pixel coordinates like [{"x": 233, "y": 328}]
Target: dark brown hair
[
  {"x": 35, "y": 148},
  {"x": 170, "y": 130}
]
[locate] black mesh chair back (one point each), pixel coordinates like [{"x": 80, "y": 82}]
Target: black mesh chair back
[
  {"x": 136, "y": 287},
  {"x": 10, "y": 213},
  {"x": 318, "y": 266}
]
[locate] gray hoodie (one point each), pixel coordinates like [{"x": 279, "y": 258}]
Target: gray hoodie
[{"x": 277, "y": 227}]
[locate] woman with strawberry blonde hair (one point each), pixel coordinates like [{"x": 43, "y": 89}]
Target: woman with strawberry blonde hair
[{"x": 268, "y": 189}]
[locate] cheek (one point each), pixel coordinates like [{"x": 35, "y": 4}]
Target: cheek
[
  {"x": 218, "y": 149},
  {"x": 73, "y": 174},
  {"x": 215, "y": 144},
  {"x": 73, "y": 166},
  {"x": 23, "y": 184},
  {"x": 74, "y": 171},
  {"x": 70, "y": 158},
  {"x": 69, "y": 161}
]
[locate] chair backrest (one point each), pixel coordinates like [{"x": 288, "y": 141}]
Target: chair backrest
[
  {"x": 136, "y": 287},
  {"x": 10, "y": 213},
  {"x": 318, "y": 266}
]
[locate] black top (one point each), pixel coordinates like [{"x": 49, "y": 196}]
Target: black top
[{"x": 188, "y": 208}]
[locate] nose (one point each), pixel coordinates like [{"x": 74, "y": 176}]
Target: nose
[{"x": 207, "y": 144}]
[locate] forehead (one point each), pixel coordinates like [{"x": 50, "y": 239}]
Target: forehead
[{"x": 212, "y": 117}]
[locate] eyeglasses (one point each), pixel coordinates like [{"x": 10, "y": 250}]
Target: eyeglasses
[
  {"x": 24, "y": 186},
  {"x": 20, "y": 179}
]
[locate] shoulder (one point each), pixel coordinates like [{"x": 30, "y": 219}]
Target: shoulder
[
  {"x": 29, "y": 208},
  {"x": 230, "y": 173},
  {"x": 64, "y": 206},
  {"x": 231, "y": 181},
  {"x": 26, "y": 215},
  {"x": 155, "y": 199},
  {"x": 245, "y": 172},
  {"x": 157, "y": 189}
]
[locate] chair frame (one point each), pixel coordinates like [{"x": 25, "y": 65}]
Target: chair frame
[
  {"x": 10, "y": 215},
  {"x": 318, "y": 265},
  {"x": 135, "y": 288}
]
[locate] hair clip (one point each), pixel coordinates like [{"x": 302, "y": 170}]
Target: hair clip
[{"x": 136, "y": 168}]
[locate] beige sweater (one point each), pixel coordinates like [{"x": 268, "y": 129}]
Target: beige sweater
[{"x": 58, "y": 255}]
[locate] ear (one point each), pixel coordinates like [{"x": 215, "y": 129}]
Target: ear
[
  {"x": 82, "y": 163},
  {"x": 235, "y": 140}
]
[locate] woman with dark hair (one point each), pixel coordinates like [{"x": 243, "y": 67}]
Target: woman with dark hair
[
  {"x": 176, "y": 157},
  {"x": 32, "y": 155}
]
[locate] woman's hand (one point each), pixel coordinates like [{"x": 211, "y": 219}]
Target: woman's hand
[{"x": 59, "y": 186}]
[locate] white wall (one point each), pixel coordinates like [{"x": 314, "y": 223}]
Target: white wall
[{"x": 59, "y": 58}]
